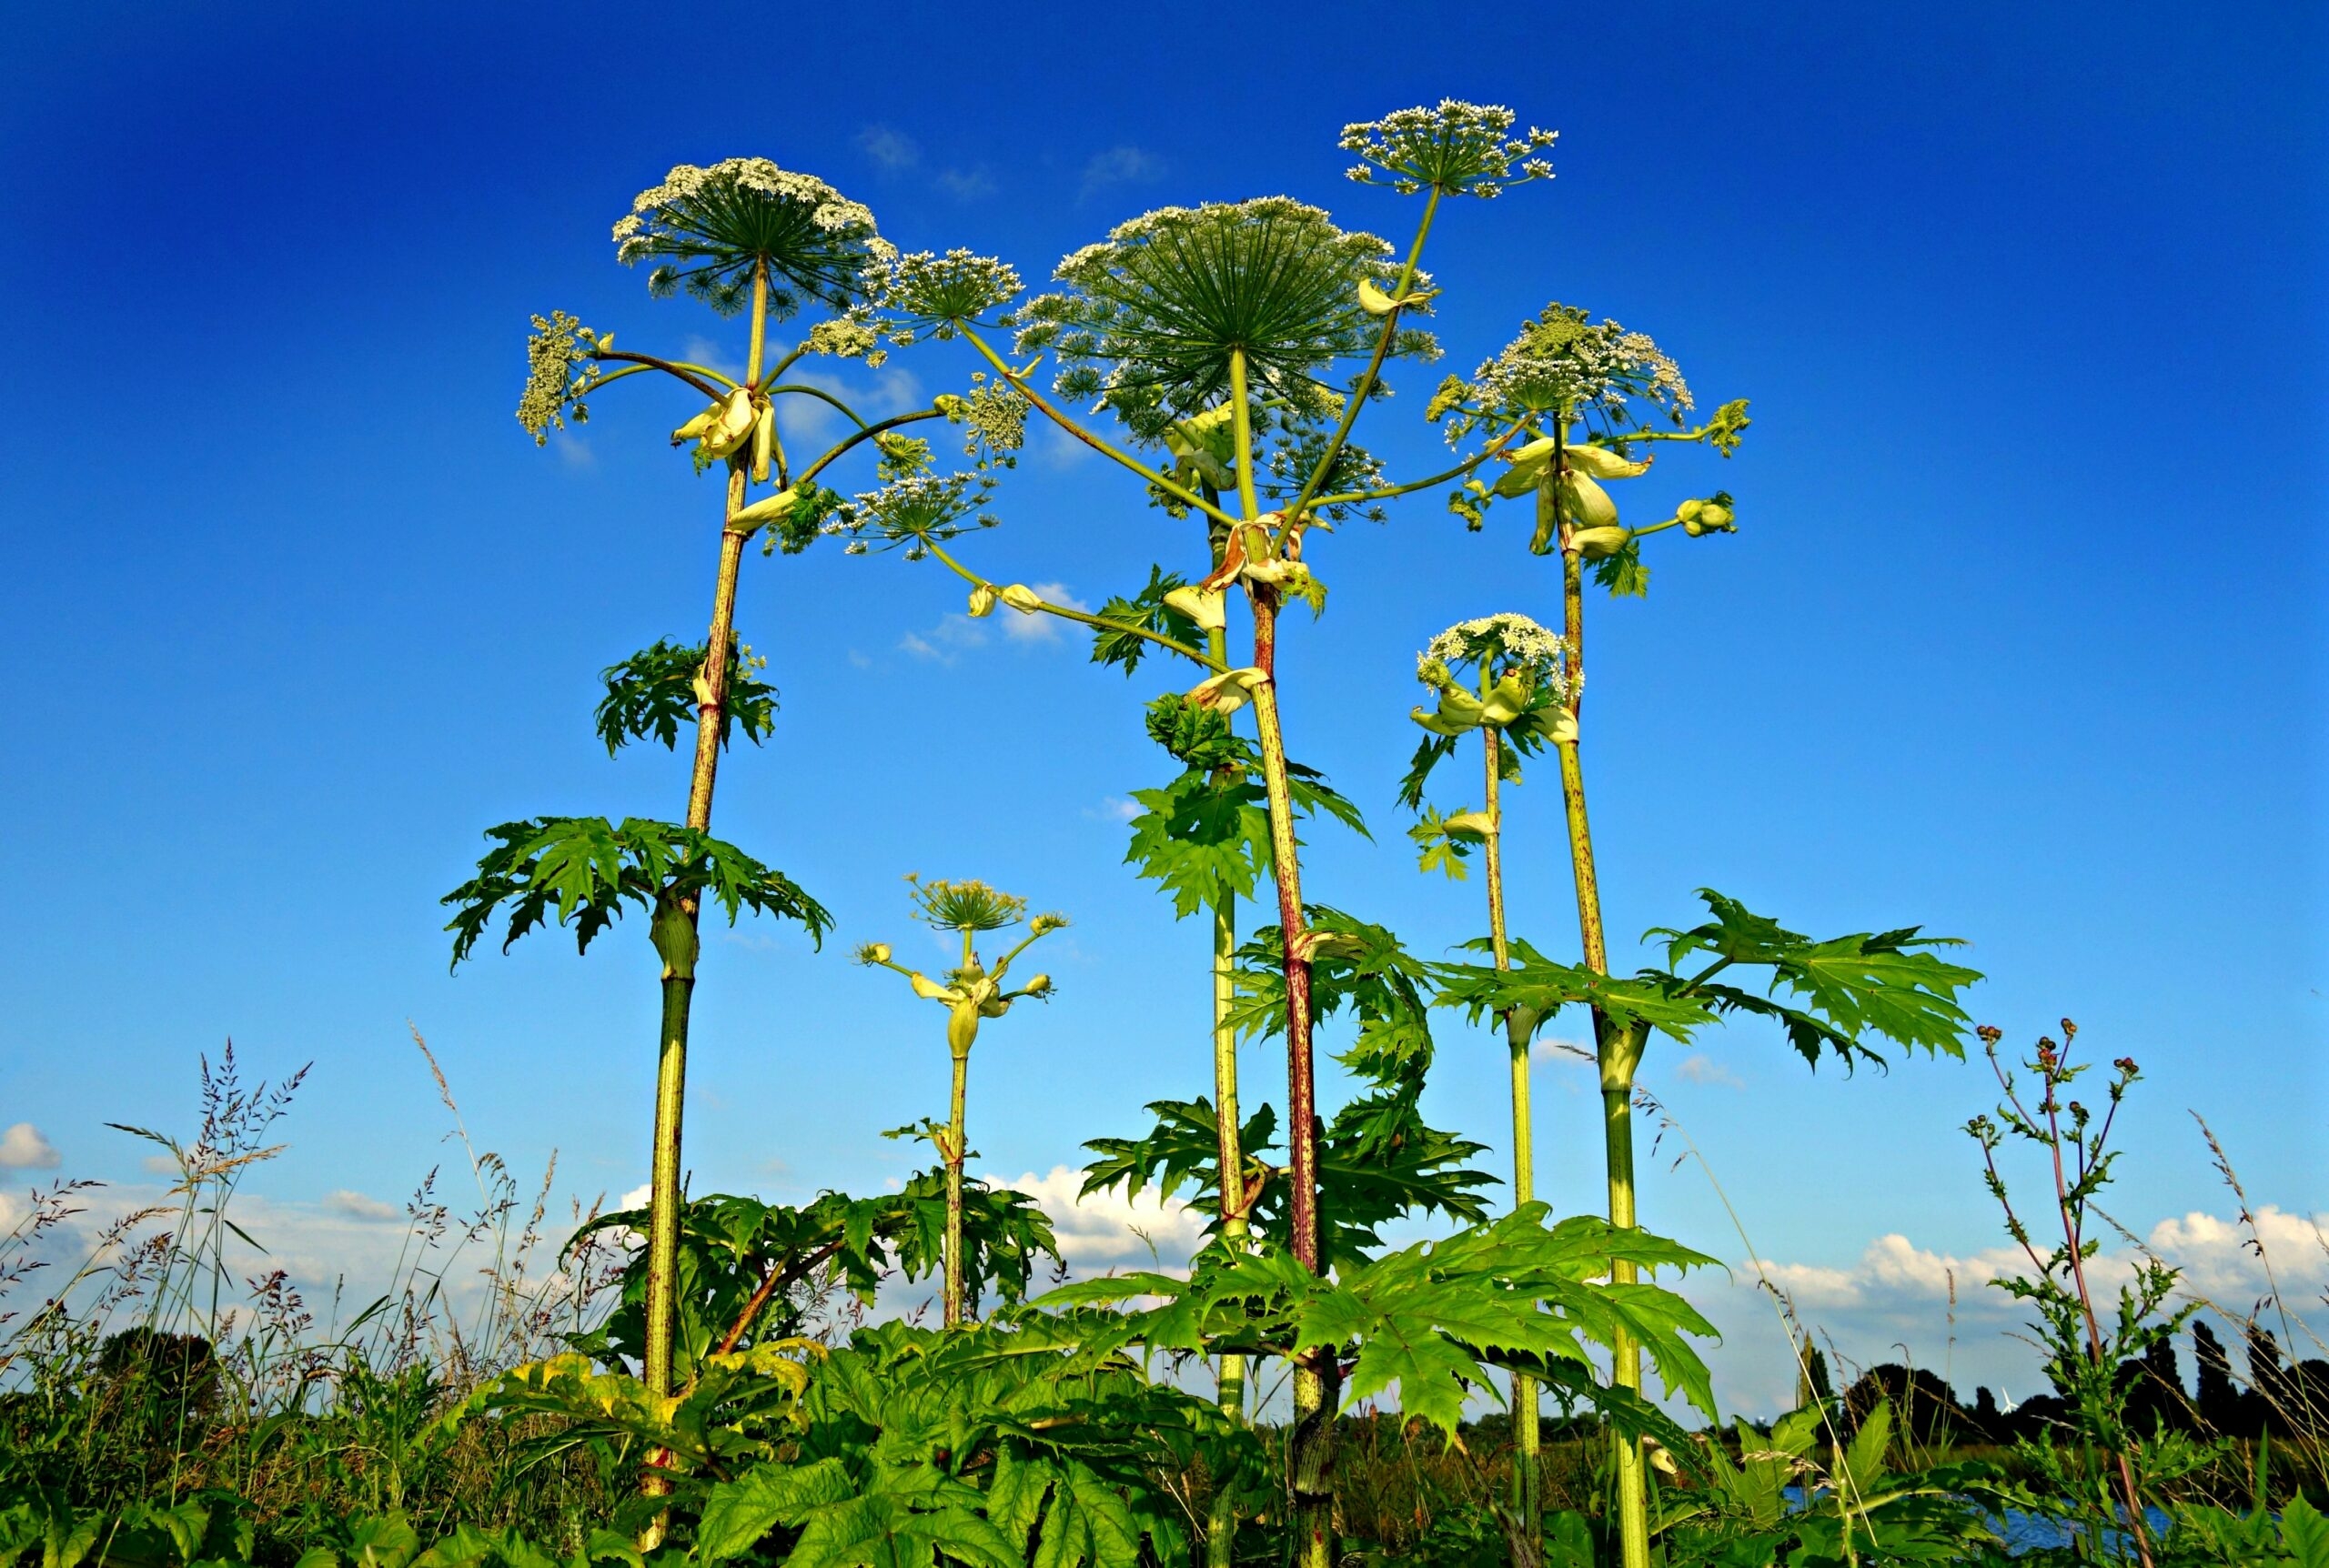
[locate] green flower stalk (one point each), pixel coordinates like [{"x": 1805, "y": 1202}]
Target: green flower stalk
[
  {"x": 971, "y": 993},
  {"x": 1516, "y": 699},
  {"x": 1579, "y": 390},
  {"x": 753, "y": 240},
  {"x": 1223, "y": 335}
]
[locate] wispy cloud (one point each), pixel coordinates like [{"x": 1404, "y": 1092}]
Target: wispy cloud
[
  {"x": 808, "y": 423},
  {"x": 1697, "y": 1067},
  {"x": 947, "y": 642},
  {"x": 354, "y": 1205},
  {"x": 967, "y": 185},
  {"x": 1111, "y": 809},
  {"x": 24, "y": 1146},
  {"x": 1029, "y": 627},
  {"x": 1055, "y": 448},
  {"x": 702, "y": 350},
  {"x": 1106, "y": 1230},
  {"x": 957, "y": 634},
  {"x": 1119, "y": 166},
  {"x": 890, "y": 149},
  {"x": 1940, "y": 1308}
]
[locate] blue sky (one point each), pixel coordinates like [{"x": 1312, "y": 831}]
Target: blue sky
[{"x": 2019, "y": 639}]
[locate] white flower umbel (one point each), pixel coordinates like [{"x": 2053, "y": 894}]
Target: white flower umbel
[
  {"x": 928, "y": 292},
  {"x": 711, "y": 227},
  {"x": 1457, "y": 149},
  {"x": 1563, "y": 363},
  {"x": 1152, "y": 315},
  {"x": 915, "y": 512},
  {"x": 1502, "y": 642}
]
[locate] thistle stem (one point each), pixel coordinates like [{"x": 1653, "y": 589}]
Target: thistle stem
[{"x": 1527, "y": 1474}]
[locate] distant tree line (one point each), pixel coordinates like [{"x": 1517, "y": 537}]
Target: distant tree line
[{"x": 2278, "y": 1397}]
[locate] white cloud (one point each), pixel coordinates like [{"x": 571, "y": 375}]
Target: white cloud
[
  {"x": 161, "y": 1164},
  {"x": 1896, "y": 1301},
  {"x": 1697, "y": 1067},
  {"x": 1551, "y": 1048},
  {"x": 945, "y": 642},
  {"x": 1111, "y": 809},
  {"x": 967, "y": 185},
  {"x": 637, "y": 1198},
  {"x": 24, "y": 1148},
  {"x": 955, "y": 635},
  {"x": 2220, "y": 1265},
  {"x": 355, "y": 1205},
  {"x": 1119, "y": 166},
  {"x": 811, "y": 423},
  {"x": 573, "y": 451},
  {"x": 1054, "y": 447},
  {"x": 699, "y": 349},
  {"x": 889, "y": 147},
  {"x": 1033, "y": 626},
  {"x": 1107, "y": 1230}
]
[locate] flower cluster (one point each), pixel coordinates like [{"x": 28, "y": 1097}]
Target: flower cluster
[
  {"x": 1564, "y": 365},
  {"x": 1294, "y": 457},
  {"x": 1152, "y": 316},
  {"x": 848, "y": 337},
  {"x": 916, "y": 511},
  {"x": 1457, "y": 149},
  {"x": 940, "y": 292},
  {"x": 1503, "y": 643},
  {"x": 993, "y": 414},
  {"x": 559, "y": 376},
  {"x": 714, "y": 228},
  {"x": 971, "y": 906}
]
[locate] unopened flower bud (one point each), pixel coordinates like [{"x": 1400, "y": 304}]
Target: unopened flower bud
[
  {"x": 1506, "y": 700},
  {"x": 981, "y": 600},
  {"x": 1593, "y": 544},
  {"x": 874, "y": 953},
  {"x": 1023, "y": 598},
  {"x": 1228, "y": 692},
  {"x": 1208, "y": 608},
  {"x": 1702, "y": 517}
]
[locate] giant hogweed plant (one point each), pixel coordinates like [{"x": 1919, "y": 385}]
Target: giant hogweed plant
[
  {"x": 1232, "y": 346},
  {"x": 1504, "y": 679},
  {"x": 1577, "y": 392},
  {"x": 752, "y": 240},
  {"x": 971, "y": 992}
]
